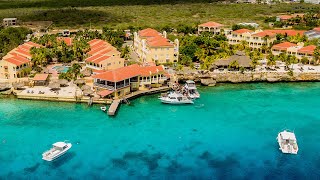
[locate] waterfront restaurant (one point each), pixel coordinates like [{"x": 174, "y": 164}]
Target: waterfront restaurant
[{"x": 122, "y": 81}]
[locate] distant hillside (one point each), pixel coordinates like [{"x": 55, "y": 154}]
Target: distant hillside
[
  {"x": 157, "y": 13},
  {"x": 7, "y": 4}
]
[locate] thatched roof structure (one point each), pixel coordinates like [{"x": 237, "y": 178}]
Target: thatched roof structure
[
  {"x": 79, "y": 81},
  {"x": 87, "y": 92},
  {"x": 4, "y": 86},
  {"x": 54, "y": 85},
  {"x": 85, "y": 87},
  {"x": 242, "y": 59},
  {"x": 18, "y": 85}
]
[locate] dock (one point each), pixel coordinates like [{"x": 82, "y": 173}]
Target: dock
[
  {"x": 116, "y": 103},
  {"x": 113, "y": 107}
]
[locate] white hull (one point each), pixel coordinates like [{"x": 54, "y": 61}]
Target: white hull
[
  {"x": 194, "y": 96},
  {"x": 169, "y": 101},
  {"x": 287, "y": 148},
  {"x": 51, "y": 155},
  {"x": 103, "y": 108}
]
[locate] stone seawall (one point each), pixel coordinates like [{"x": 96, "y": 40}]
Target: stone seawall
[{"x": 237, "y": 77}]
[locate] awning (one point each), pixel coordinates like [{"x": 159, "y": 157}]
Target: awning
[
  {"x": 104, "y": 93},
  {"x": 40, "y": 77}
]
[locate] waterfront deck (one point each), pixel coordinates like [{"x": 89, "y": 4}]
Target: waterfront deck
[{"x": 116, "y": 103}]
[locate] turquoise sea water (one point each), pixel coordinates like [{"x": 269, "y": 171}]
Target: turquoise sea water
[{"x": 230, "y": 133}]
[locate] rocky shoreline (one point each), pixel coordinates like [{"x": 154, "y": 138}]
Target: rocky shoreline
[{"x": 211, "y": 78}]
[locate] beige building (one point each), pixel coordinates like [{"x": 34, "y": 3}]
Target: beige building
[
  {"x": 152, "y": 46},
  {"x": 211, "y": 27},
  {"x": 103, "y": 56},
  {"x": 297, "y": 50},
  {"x": 255, "y": 40},
  {"x": 17, "y": 63},
  {"x": 9, "y": 22}
]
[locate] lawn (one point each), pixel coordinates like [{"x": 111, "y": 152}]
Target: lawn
[{"x": 98, "y": 13}]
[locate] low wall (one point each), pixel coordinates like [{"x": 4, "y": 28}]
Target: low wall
[
  {"x": 237, "y": 77},
  {"x": 63, "y": 99}
]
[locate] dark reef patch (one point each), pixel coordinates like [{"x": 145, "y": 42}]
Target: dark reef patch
[{"x": 32, "y": 169}]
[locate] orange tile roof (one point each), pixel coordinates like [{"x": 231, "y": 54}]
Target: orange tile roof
[
  {"x": 264, "y": 34},
  {"x": 21, "y": 52},
  {"x": 307, "y": 49},
  {"x": 127, "y": 72},
  {"x": 285, "y": 17},
  {"x": 154, "y": 38},
  {"x": 316, "y": 29},
  {"x": 149, "y": 32},
  {"x": 67, "y": 40},
  {"x": 97, "y": 50},
  {"x": 104, "y": 93},
  {"x": 241, "y": 31},
  {"x": 288, "y": 32},
  {"x": 94, "y": 41},
  {"x": 211, "y": 24},
  {"x": 158, "y": 41},
  {"x": 283, "y": 46},
  {"x": 16, "y": 60},
  {"x": 40, "y": 77}
]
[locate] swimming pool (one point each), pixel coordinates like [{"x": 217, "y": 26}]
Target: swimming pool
[{"x": 61, "y": 69}]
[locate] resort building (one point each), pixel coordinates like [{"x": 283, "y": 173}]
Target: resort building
[
  {"x": 296, "y": 50},
  {"x": 7, "y": 22},
  {"x": 258, "y": 39},
  {"x": 152, "y": 46},
  {"x": 313, "y": 34},
  {"x": 103, "y": 56},
  {"x": 285, "y": 47},
  {"x": 17, "y": 63},
  {"x": 212, "y": 27},
  {"x": 122, "y": 81}
]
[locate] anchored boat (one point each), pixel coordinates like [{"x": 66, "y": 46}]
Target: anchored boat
[
  {"x": 58, "y": 149},
  {"x": 175, "y": 98},
  {"x": 287, "y": 142},
  {"x": 191, "y": 89}
]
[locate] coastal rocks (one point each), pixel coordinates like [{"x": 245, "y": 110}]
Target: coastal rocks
[
  {"x": 209, "y": 78},
  {"x": 208, "y": 82}
]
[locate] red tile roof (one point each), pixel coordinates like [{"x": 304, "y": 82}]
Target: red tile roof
[
  {"x": 21, "y": 52},
  {"x": 67, "y": 40},
  {"x": 283, "y": 46},
  {"x": 307, "y": 49},
  {"x": 40, "y": 77},
  {"x": 104, "y": 93},
  {"x": 288, "y": 32},
  {"x": 94, "y": 41},
  {"x": 316, "y": 29},
  {"x": 16, "y": 60},
  {"x": 285, "y": 17},
  {"x": 149, "y": 32},
  {"x": 159, "y": 41},
  {"x": 154, "y": 38},
  {"x": 241, "y": 31},
  {"x": 264, "y": 34},
  {"x": 127, "y": 72},
  {"x": 211, "y": 24}
]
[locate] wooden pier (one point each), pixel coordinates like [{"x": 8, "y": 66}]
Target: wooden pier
[
  {"x": 113, "y": 107},
  {"x": 115, "y": 104}
]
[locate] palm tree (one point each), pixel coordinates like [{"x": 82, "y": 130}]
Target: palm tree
[
  {"x": 316, "y": 54},
  {"x": 271, "y": 60}
]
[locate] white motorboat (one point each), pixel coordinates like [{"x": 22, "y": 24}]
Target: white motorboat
[
  {"x": 58, "y": 149},
  {"x": 103, "y": 108},
  {"x": 191, "y": 89},
  {"x": 287, "y": 142},
  {"x": 175, "y": 98}
]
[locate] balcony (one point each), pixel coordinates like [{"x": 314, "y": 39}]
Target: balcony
[
  {"x": 111, "y": 88},
  {"x": 93, "y": 67}
]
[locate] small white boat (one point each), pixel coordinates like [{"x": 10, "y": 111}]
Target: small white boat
[
  {"x": 191, "y": 89},
  {"x": 175, "y": 98},
  {"x": 103, "y": 108},
  {"x": 58, "y": 149},
  {"x": 287, "y": 142}
]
